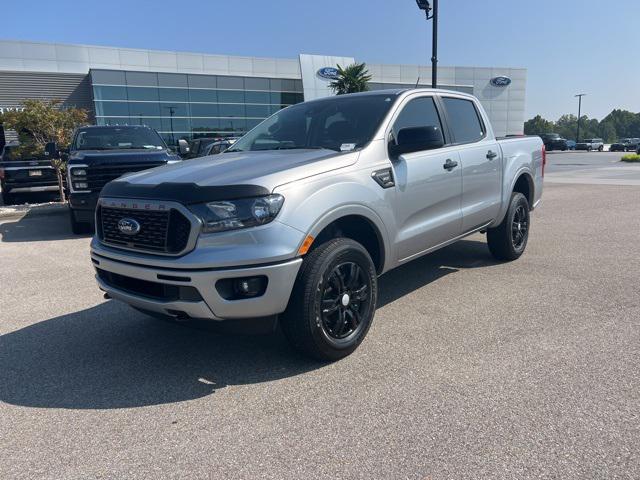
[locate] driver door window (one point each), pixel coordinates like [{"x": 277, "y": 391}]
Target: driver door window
[{"x": 420, "y": 112}]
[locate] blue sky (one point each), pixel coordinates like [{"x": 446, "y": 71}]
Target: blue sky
[{"x": 568, "y": 46}]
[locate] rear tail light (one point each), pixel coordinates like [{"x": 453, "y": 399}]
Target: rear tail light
[{"x": 544, "y": 159}]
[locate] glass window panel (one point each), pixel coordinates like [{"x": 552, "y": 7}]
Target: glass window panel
[
  {"x": 109, "y": 93},
  {"x": 204, "y": 110},
  {"x": 154, "y": 123},
  {"x": 204, "y": 124},
  {"x": 109, "y": 77},
  {"x": 288, "y": 85},
  {"x": 275, "y": 84},
  {"x": 172, "y": 80},
  {"x": 275, "y": 108},
  {"x": 230, "y": 96},
  {"x": 257, "y": 97},
  {"x": 142, "y": 93},
  {"x": 113, "y": 121},
  {"x": 196, "y": 95},
  {"x": 290, "y": 98},
  {"x": 176, "y": 124},
  {"x": 145, "y": 79},
  {"x": 256, "y": 83},
  {"x": 231, "y": 110},
  {"x": 260, "y": 111},
  {"x": 203, "y": 81},
  {"x": 174, "y": 94},
  {"x": 232, "y": 83},
  {"x": 233, "y": 125},
  {"x": 168, "y": 109},
  {"x": 297, "y": 84},
  {"x": 463, "y": 120},
  {"x": 146, "y": 109},
  {"x": 112, "y": 109}
]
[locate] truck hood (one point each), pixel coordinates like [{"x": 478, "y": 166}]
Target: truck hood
[
  {"x": 267, "y": 169},
  {"x": 104, "y": 157}
]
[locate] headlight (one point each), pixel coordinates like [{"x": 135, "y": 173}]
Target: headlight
[
  {"x": 233, "y": 214},
  {"x": 80, "y": 185},
  {"x": 78, "y": 172}
]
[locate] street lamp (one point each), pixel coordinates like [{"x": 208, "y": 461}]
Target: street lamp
[
  {"x": 424, "y": 5},
  {"x": 172, "y": 111},
  {"x": 580, "y": 95}
]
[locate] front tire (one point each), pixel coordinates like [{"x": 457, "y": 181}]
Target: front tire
[
  {"x": 8, "y": 198},
  {"x": 601, "y": 148},
  {"x": 333, "y": 300},
  {"x": 508, "y": 240},
  {"x": 78, "y": 228}
]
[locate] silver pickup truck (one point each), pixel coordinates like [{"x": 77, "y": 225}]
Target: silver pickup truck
[{"x": 299, "y": 218}]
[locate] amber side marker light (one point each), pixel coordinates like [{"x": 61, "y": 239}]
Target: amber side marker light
[{"x": 306, "y": 245}]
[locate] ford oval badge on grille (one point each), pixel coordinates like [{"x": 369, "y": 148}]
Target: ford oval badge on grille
[{"x": 128, "y": 226}]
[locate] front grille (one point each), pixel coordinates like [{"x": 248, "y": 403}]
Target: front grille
[
  {"x": 98, "y": 176},
  {"x": 161, "y": 231},
  {"x": 153, "y": 290}
]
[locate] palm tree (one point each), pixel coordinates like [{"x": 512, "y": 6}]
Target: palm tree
[{"x": 351, "y": 79}]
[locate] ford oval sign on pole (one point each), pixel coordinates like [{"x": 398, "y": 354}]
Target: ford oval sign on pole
[
  {"x": 330, "y": 73},
  {"x": 500, "y": 81}
]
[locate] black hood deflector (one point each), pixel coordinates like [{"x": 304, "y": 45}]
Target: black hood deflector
[{"x": 185, "y": 193}]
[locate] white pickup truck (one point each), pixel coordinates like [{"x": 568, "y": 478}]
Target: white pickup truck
[{"x": 297, "y": 220}]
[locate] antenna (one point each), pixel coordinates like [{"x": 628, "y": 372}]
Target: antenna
[{"x": 417, "y": 81}]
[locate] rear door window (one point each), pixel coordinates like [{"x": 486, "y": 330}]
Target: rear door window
[{"x": 464, "y": 121}]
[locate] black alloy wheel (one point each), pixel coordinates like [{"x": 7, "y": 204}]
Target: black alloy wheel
[{"x": 345, "y": 298}]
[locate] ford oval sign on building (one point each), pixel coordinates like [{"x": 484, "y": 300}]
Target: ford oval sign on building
[
  {"x": 330, "y": 73},
  {"x": 501, "y": 81}
]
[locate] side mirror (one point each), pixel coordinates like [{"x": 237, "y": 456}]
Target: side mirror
[
  {"x": 183, "y": 146},
  {"x": 51, "y": 150},
  {"x": 416, "y": 139}
]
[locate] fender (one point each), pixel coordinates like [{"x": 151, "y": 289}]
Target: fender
[{"x": 506, "y": 194}]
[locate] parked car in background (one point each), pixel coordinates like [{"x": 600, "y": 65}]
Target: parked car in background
[
  {"x": 218, "y": 147},
  {"x": 23, "y": 176},
  {"x": 625, "y": 145},
  {"x": 300, "y": 217},
  {"x": 553, "y": 141},
  {"x": 590, "y": 144},
  {"x": 198, "y": 145},
  {"x": 571, "y": 145},
  {"x": 100, "y": 154}
]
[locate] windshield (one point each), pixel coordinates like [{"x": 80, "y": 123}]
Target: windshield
[
  {"x": 340, "y": 123},
  {"x": 117, "y": 138}
]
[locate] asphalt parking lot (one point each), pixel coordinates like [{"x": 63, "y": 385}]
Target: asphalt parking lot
[{"x": 472, "y": 369}]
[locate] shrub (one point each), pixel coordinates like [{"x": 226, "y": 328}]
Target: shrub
[{"x": 630, "y": 157}]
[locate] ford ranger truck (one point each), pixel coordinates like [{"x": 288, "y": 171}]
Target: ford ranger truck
[
  {"x": 100, "y": 154},
  {"x": 299, "y": 217}
]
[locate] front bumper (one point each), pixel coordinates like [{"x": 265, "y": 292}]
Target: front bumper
[{"x": 281, "y": 278}]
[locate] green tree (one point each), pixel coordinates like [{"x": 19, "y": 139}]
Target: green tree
[
  {"x": 41, "y": 122},
  {"x": 351, "y": 79},
  {"x": 538, "y": 125}
]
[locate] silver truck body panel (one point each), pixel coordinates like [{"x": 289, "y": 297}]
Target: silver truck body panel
[{"x": 428, "y": 207}]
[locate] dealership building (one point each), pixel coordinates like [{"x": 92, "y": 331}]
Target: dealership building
[{"x": 186, "y": 95}]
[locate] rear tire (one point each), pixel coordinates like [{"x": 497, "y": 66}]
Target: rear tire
[
  {"x": 333, "y": 300},
  {"x": 601, "y": 148},
  {"x": 508, "y": 240}
]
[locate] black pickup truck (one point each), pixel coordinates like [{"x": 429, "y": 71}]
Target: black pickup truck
[
  {"x": 100, "y": 154},
  {"x": 21, "y": 176}
]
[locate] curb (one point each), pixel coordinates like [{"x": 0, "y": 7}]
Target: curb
[{"x": 32, "y": 211}]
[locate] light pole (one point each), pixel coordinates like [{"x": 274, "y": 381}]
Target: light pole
[
  {"x": 424, "y": 5},
  {"x": 172, "y": 111},
  {"x": 580, "y": 95}
]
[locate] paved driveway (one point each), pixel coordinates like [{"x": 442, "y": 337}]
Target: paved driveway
[{"x": 472, "y": 369}]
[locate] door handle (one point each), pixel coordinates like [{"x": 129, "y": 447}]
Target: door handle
[
  {"x": 491, "y": 155},
  {"x": 449, "y": 164}
]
